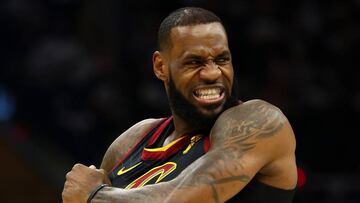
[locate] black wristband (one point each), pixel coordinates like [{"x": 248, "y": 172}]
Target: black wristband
[{"x": 93, "y": 193}]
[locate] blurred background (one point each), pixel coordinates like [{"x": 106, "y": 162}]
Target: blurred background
[{"x": 75, "y": 74}]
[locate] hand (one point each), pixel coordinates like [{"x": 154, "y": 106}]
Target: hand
[{"x": 81, "y": 181}]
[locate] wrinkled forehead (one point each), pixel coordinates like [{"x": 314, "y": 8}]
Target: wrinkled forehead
[
  {"x": 199, "y": 28},
  {"x": 199, "y": 38}
]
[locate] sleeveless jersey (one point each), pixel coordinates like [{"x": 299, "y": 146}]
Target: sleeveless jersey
[{"x": 150, "y": 163}]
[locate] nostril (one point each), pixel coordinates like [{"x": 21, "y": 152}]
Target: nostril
[{"x": 211, "y": 73}]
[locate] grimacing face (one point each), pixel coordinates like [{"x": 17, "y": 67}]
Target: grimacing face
[{"x": 199, "y": 65}]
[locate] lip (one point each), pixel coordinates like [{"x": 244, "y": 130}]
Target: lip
[{"x": 210, "y": 101}]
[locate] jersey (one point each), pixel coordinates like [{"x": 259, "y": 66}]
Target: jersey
[{"x": 148, "y": 162}]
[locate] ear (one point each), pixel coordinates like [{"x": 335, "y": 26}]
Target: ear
[{"x": 159, "y": 66}]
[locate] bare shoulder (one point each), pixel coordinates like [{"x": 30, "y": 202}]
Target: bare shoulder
[
  {"x": 255, "y": 120},
  {"x": 252, "y": 118},
  {"x": 262, "y": 131},
  {"x": 269, "y": 118},
  {"x": 258, "y": 108},
  {"x": 125, "y": 142}
]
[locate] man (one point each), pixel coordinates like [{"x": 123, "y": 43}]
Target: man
[{"x": 212, "y": 149}]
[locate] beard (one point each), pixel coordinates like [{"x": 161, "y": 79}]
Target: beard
[{"x": 190, "y": 114}]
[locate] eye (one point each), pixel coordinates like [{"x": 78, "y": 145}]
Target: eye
[
  {"x": 222, "y": 60},
  {"x": 194, "y": 62}
]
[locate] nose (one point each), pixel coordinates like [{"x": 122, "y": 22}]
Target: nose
[{"x": 210, "y": 72}]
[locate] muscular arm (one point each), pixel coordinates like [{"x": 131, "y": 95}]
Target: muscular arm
[
  {"x": 246, "y": 140},
  {"x": 125, "y": 142}
]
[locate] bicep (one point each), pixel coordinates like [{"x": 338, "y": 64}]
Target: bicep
[
  {"x": 110, "y": 157},
  {"x": 241, "y": 144}
]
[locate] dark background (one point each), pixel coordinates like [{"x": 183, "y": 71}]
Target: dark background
[{"x": 75, "y": 74}]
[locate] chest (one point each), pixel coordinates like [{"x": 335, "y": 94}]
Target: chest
[{"x": 147, "y": 164}]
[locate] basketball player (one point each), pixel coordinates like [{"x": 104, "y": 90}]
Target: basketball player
[{"x": 213, "y": 148}]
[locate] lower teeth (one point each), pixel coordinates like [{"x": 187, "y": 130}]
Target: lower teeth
[{"x": 209, "y": 97}]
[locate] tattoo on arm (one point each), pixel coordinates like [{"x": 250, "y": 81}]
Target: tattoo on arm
[{"x": 235, "y": 133}]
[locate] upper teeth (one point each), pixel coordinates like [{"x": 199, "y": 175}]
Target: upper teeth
[{"x": 212, "y": 93}]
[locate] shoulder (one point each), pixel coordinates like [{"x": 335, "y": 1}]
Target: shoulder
[
  {"x": 278, "y": 149},
  {"x": 255, "y": 121},
  {"x": 257, "y": 114},
  {"x": 267, "y": 117},
  {"x": 256, "y": 107},
  {"x": 123, "y": 143},
  {"x": 258, "y": 132}
]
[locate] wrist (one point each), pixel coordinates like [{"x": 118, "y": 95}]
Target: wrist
[{"x": 95, "y": 191}]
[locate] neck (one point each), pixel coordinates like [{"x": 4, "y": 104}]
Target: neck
[{"x": 181, "y": 128}]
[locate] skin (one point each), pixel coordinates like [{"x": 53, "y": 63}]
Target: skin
[
  {"x": 251, "y": 140},
  {"x": 199, "y": 58}
]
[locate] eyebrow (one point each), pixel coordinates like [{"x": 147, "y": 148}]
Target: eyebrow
[
  {"x": 224, "y": 53},
  {"x": 198, "y": 56},
  {"x": 193, "y": 56}
]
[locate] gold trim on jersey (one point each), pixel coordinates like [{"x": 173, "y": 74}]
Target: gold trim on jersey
[
  {"x": 166, "y": 147},
  {"x": 193, "y": 140}
]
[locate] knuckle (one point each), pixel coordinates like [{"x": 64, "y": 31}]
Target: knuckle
[
  {"x": 77, "y": 166},
  {"x": 68, "y": 175}
]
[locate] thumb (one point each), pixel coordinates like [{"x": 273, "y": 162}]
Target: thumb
[
  {"x": 102, "y": 171},
  {"x": 106, "y": 178}
]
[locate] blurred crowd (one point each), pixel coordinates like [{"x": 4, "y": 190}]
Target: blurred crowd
[{"x": 75, "y": 74}]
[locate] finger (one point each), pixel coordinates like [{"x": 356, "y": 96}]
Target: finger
[
  {"x": 78, "y": 165},
  {"x": 92, "y": 167},
  {"x": 67, "y": 176}
]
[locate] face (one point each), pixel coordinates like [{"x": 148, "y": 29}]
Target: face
[{"x": 198, "y": 71}]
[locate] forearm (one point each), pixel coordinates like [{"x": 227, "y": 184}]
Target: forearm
[
  {"x": 117, "y": 195},
  {"x": 162, "y": 192}
]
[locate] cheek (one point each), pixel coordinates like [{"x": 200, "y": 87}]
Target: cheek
[
  {"x": 183, "y": 79},
  {"x": 228, "y": 74},
  {"x": 180, "y": 83},
  {"x": 184, "y": 86}
]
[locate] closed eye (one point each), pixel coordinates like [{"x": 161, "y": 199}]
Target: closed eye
[
  {"x": 223, "y": 60},
  {"x": 194, "y": 61}
]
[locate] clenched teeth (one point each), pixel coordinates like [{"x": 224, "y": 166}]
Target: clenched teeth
[{"x": 212, "y": 93}]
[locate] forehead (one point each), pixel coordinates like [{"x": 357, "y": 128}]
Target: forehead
[{"x": 209, "y": 37}]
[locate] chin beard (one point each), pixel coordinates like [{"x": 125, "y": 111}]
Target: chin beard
[{"x": 190, "y": 114}]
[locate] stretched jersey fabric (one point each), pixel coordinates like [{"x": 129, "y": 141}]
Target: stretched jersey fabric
[{"x": 148, "y": 162}]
